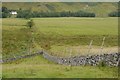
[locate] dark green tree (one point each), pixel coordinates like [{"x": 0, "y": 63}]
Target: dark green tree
[
  {"x": 30, "y": 24},
  {"x": 5, "y": 12},
  {"x": 114, "y": 14},
  {"x": 4, "y": 9},
  {"x": 27, "y": 14}
]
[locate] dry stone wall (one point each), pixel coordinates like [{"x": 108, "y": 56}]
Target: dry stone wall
[
  {"x": 112, "y": 59},
  {"x": 20, "y": 57}
]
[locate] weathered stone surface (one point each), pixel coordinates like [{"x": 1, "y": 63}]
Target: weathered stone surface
[
  {"x": 112, "y": 59},
  {"x": 93, "y": 60}
]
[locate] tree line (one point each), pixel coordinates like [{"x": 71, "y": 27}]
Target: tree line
[
  {"x": 114, "y": 14},
  {"x": 29, "y": 14},
  {"x": 4, "y": 13},
  {"x": 34, "y": 14}
]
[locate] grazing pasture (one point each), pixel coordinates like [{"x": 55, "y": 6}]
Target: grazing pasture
[
  {"x": 67, "y": 26},
  {"x": 55, "y": 35},
  {"x": 58, "y": 33}
]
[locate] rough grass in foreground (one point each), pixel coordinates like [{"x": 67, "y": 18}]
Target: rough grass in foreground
[{"x": 38, "y": 67}]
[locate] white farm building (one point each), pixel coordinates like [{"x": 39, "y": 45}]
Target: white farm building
[{"x": 13, "y": 12}]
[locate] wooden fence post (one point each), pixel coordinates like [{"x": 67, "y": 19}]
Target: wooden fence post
[
  {"x": 78, "y": 51},
  {"x": 70, "y": 57},
  {"x": 70, "y": 52},
  {"x": 90, "y": 46},
  {"x": 14, "y": 56},
  {"x": 103, "y": 41}
]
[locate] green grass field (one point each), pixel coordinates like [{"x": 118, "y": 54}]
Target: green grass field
[
  {"x": 67, "y": 26},
  {"x": 57, "y": 33}
]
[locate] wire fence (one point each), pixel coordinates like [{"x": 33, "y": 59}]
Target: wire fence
[
  {"x": 67, "y": 51},
  {"x": 64, "y": 54}
]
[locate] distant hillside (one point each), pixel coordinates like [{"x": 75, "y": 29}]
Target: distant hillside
[{"x": 100, "y": 9}]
